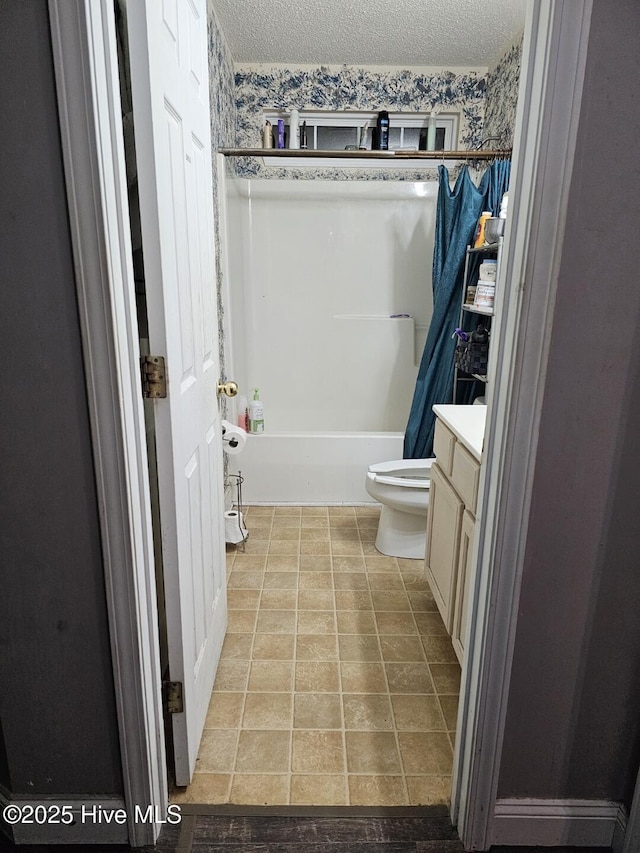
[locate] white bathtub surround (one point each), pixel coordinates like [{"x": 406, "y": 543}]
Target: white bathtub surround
[{"x": 316, "y": 269}]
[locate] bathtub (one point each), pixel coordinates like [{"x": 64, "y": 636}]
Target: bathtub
[{"x": 313, "y": 468}]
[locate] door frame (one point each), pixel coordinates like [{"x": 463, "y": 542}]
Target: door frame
[
  {"x": 551, "y": 83},
  {"x": 87, "y": 83}
]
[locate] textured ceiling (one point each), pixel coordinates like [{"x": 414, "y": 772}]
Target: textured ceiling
[{"x": 370, "y": 32}]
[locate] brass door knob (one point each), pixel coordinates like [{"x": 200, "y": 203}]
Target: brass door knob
[{"x": 230, "y": 389}]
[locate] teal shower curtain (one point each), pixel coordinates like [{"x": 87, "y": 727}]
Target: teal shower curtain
[{"x": 457, "y": 214}]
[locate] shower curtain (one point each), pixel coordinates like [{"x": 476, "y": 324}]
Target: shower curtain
[{"x": 457, "y": 214}]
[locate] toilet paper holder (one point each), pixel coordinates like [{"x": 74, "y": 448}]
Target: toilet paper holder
[{"x": 233, "y": 438}]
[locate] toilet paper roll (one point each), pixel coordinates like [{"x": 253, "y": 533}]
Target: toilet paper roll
[
  {"x": 234, "y": 529},
  {"x": 234, "y": 438}
]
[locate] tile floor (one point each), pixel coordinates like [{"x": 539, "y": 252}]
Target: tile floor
[{"x": 338, "y": 684}]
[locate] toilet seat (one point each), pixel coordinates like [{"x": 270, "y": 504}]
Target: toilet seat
[{"x": 408, "y": 473}]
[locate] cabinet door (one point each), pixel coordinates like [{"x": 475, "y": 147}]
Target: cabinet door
[
  {"x": 443, "y": 542},
  {"x": 463, "y": 584}
]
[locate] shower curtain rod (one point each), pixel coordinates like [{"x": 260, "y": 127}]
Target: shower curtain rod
[{"x": 368, "y": 155}]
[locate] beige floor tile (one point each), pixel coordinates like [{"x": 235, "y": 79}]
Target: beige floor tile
[
  {"x": 317, "y": 752},
  {"x": 315, "y": 522},
  {"x": 382, "y": 564},
  {"x": 397, "y": 622},
  {"x": 241, "y": 621},
  {"x": 280, "y": 521},
  {"x": 372, "y": 752},
  {"x": 317, "y": 677},
  {"x": 314, "y": 534},
  {"x": 217, "y": 751},
  {"x": 439, "y": 650},
  {"x": 267, "y": 711},
  {"x": 225, "y": 711},
  {"x": 287, "y": 511},
  {"x": 350, "y": 580},
  {"x": 279, "y": 563},
  {"x": 359, "y": 648},
  {"x": 315, "y": 580},
  {"x": 315, "y": 599},
  {"x": 316, "y": 622},
  {"x": 264, "y": 789},
  {"x": 381, "y": 790},
  {"x": 369, "y": 549},
  {"x": 356, "y": 622},
  {"x": 417, "y": 713},
  {"x": 279, "y": 599},
  {"x": 363, "y": 677},
  {"x": 422, "y": 602},
  {"x": 317, "y": 711},
  {"x": 396, "y": 648},
  {"x": 369, "y": 712},
  {"x": 205, "y": 788},
  {"x": 263, "y": 751},
  {"x": 280, "y": 580},
  {"x": 340, "y": 548},
  {"x": 274, "y": 647},
  {"x": 283, "y": 547},
  {"x": 276, "y": 622},
  {"x": 425, "y": 753},
  {"x": 430, "y": 625},
  {"x": 315, "y": 562},
  {"x": 409, "y": 678},
  {"x": 271, "y": 676},
  {"x": 262, "y": 511},
  {"x": 315, "y": 511},
  {"x": 348, "y": 564},
  {"x": 449, "y": 705},
  {"x": 429, "y": 790},
  {"x": 446, "y": 677},
  {"x": 237, "y": 646},
  {"x": 390, "y": 600},
  {"x": 256, "y": 546},
  {"x": 249, "y": 562},
  {"x": 385, "y": 580},
  {"x": 243, "y": 599},
  {"x": 316, "y": 647},
  {"x": 245, "y": 580},
  {"x": 353, "y": 599},
  {"x": 314, "y": 548},
  {"x": 287, "y": 533},
  {"x": 367, "y": 511},
  {"x": 417, "y": 583},
  {"x": 231, "y": 675},
  {"x": 342, "y": 511},
  {"x": 318, "y": 790}
]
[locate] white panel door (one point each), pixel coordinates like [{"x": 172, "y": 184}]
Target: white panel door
[{"x": 168, "y": 56}]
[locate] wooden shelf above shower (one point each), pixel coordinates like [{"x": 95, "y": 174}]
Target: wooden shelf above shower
[{"x": 277, "y": 153}]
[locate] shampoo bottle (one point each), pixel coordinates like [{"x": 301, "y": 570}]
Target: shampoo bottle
[
  {"x": 294, "y": 129},
  {"x": 431, "y": 132},
  {"x": 382, "y": 126},
  {"x": 243, "y": 420},
  {"x": 256, "y": 413}
]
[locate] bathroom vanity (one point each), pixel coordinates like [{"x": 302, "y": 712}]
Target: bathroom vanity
[{"x": 459, "y": 437}]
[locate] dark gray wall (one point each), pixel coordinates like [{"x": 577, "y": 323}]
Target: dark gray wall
[
  {"x": 573, "y": 724},
  {"x": 57, "y": 707}
]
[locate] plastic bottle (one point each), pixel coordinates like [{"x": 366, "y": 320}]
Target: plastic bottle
[
  {"x": 482, "y": 221},
  {"x": 431, "y": 132},
  {"x": 382, "y": 126},
  {"x": 243, "y": 419},
  {"x": 267, "y": 135},
  {"x": 294, "y": 129},
  {"x": 256, "y": 413},
  {"x": 503, "y": 206}
]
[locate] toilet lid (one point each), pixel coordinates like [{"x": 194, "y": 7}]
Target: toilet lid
[
  {"x": 411, "y": 468},
  {"x": 405, "y": 482}
]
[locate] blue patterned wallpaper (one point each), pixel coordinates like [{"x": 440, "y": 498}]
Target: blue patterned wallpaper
[
  {"x": 502, "y": 96},
  {"x": 347, "y": 87}
]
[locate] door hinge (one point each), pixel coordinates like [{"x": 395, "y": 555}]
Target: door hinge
[
  {"x": 154, "y": 382},
  {"x": 172, "y": 691}
]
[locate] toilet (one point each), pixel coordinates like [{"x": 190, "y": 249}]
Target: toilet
[{"x": 402, "y": 487}]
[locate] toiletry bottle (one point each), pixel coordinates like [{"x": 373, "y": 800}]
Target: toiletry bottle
[
  {"x": 243, "y": 419},
  {"x": 382, "y": 126},
  {"x": 362, "y": 143},
  {"x": 503, "y": 206},
  {"x": 303, "y": 135},
  {"x": 267, "y": 135},
  {"x": 256, "y": 413},
  {"x": 294, "y": 129},
  {"x": 431, "y": 132},
  {"x": 280, "y": 141},
  {"x": 482, "y": 221}
]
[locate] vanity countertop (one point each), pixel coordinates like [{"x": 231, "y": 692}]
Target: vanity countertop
[{"x": 467, "y": 423}]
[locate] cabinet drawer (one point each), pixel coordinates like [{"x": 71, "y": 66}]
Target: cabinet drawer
[
  {"x": 443, "y": 444},
  {"x": 465, "y": 474}
]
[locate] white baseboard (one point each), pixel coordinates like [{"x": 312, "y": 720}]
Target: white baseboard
[
  {"x": 94, "y": 821},
  {"x": 554, "y": 823}
]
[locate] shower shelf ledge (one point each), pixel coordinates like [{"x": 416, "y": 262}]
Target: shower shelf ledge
[{"x": 271, "y": 155}]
